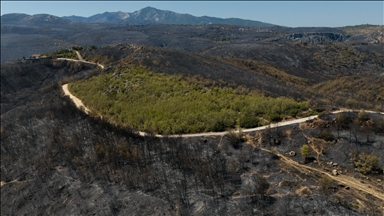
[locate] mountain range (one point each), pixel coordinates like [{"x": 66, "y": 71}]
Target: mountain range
[
  {"x": 24, "y": 35},
  {"x": 150, "y": 15}
]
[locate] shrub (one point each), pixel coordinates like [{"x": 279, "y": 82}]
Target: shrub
[
  {"x": 305, "y": 151},
  {"x": 248, "y": 121},
  {"x": 326, "y": 135},
  {"x": 326, "y": 184},
  {"x": 261, "y": 184},
  {"x": 91, "y": 47},
  {"x": 362, "y": 116},
  {"x": 365, "y": 163},
  {"x": 235, "y": 138},
  {"x": 77, "y": 48},
  {"x": 219, "y": 125},
  {"x": 341, "y": 120},
  {"x": 275, "y": 117}
]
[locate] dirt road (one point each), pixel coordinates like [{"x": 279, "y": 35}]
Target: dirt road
[
  {"x": 79, "y": 56},
  {"x": 344, "y": 179},
  {"x": 77, "y": 101},
  {"x": 80, "y": 104}
]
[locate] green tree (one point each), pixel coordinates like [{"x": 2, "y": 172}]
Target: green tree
[
  {"x": 91, "y": 47},
  {"x": 77, "y": 48},
  {"x": 248, "y": 121},
  {"x": 305, "y": 151}
]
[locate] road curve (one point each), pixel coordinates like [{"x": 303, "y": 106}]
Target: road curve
[{"x": 80, "y": 105}]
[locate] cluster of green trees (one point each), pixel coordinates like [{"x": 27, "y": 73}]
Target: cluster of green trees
[
  {"x": 91, "y": 47},
  {"x": 69, "y": 53},
  {"x": 168, "y": 104},
  {"x": 64, "y": 53},
  {"x": 77, "y": 48}
]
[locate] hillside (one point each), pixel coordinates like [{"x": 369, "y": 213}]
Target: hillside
[
  {"x": 175, "y": 79},
  {"x": 53, "y": 151},
  {"x": 24, "y": 35},
  {"x": 267, "y": 68},
  {"x": 365, "y": 34},
  {"x": 167, "y": 104},
  {"x": 150, "y": 15}
]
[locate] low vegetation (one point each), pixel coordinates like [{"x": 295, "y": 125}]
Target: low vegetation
[
  {"x": 358, "y": 91},
  {"x": 305, "y": 151},
  {"x": 327, "y": 184},
  {"x": 339, "y": 55},
  {"x": 235, "y": 138},
  {"x": 168, "y": 104},
  {"x": 64, "y": 53},
  {"x": 365, "y": 163}
]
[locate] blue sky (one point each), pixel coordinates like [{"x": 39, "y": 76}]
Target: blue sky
[{"x": 285, "y": 13}]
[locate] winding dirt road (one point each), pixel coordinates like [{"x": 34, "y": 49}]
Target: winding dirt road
[
  {"x": 81, "y": 59},
  {"x": 344, "y": 179},
  {"x": 80, "y": 105}
]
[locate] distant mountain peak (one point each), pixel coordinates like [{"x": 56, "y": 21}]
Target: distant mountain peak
[
  {"x": 151, "y": 15},
  {"x": 123, "y": 15},
  {"x": 148, "y": 9}
]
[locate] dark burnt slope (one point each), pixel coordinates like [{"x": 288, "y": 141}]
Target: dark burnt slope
[
  {"x": 222, "y": 71},
  {"x": 23, "y": 81},
  {"x": 25, "y": 35},
  {"x": 275, "y": 69},
  {"x": 56, "y": 160}
]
